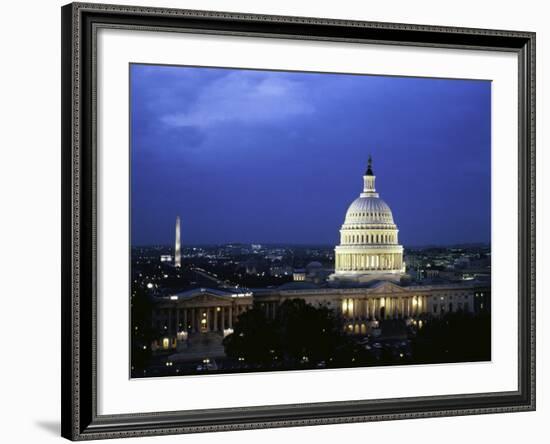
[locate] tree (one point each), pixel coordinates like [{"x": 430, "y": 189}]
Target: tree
[
  {"x": 141, "y": 330},
  {"x": 300, "y": 335},
  {"x": 456, "y": 337},
  {"x": 253, "y": 338}
]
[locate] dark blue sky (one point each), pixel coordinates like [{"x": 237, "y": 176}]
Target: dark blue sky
[{"x": 277, "y": 157}]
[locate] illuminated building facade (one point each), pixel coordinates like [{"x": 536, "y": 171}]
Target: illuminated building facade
[
  {"x": 202, "y": 311},
  {"x": 180, "y": 316}
]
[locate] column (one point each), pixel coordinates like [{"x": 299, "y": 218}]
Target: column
[
  {"x": 230, "y": 317},
  {"x": 216, "y": 319},
  {"x": 397, "y": 307},
  {"x": 177, "y": 320},
  {"x": 371, "y": 308},
  {"x": 185, "y": 324},
  {"x": 223, "y": 318}
]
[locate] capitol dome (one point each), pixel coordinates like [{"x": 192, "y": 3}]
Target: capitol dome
[
  {"x": 369, "y": 247},
  {"x": 369, "y": 210}
]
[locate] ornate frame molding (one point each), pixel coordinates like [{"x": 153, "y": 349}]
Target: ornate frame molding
[{"x": 80, "y": 22}]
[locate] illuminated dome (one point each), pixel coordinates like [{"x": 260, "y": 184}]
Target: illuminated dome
[
  {"x": 369, "y": 247},
  {"x": 369, "y": 210}
]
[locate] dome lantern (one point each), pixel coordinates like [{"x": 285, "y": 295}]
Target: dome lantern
[{"x": 368, "y": 179}]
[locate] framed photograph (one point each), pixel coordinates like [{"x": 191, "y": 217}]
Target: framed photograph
[{"x": 278, "y": 221}]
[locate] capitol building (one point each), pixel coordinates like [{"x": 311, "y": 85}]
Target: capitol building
[
  {"x": 368, "y": 284},
  {"x": 369, "y": 245}
]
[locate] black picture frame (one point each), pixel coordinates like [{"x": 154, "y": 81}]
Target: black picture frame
[{"x": 79, "y": 171}]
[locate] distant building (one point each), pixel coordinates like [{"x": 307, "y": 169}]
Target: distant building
[{"x": 299, "y": 274}]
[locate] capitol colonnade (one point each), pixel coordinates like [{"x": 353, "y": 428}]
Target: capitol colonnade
[
  {"x": 368, "y": 261},
  {"x": 384, "y": 307}
]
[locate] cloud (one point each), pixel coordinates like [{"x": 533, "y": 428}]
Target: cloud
[{"x": 247, "y": 98}]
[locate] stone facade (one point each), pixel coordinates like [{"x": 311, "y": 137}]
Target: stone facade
[{"x": 205, "y": 311}]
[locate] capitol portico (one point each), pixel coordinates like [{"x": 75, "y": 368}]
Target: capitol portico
[{"x": 369, "y": 247}]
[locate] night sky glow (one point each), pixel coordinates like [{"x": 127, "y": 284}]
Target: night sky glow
[{"x": 277, "y": 157}]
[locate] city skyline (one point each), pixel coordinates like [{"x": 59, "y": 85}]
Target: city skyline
[{"x": 245, "y": 156}]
